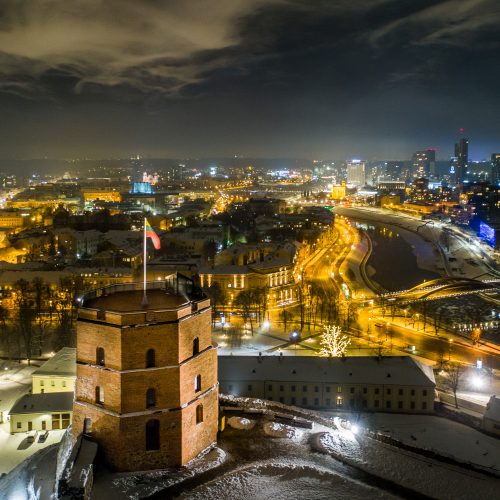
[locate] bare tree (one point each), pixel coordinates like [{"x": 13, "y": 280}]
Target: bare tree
[
  {"x": 4, "y": 329},
  {"x": 217, "y": 297},
  {"x": 25, "y": 316},
  {"x": 286, "y": 317},
  {"x": 245, "y": 301},
  {"x": 455, "y": 374}
]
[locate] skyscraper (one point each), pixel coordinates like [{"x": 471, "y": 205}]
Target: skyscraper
[
  {"x": 424, "y": 163},
  {"x": 356, "y": 172},
  {"x": 461, "y": 160},
  {"x": 495, "y": 169}
]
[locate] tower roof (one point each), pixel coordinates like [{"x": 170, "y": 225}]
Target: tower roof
[{"x": 132, "y": 300}]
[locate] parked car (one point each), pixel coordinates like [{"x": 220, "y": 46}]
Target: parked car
[
  {"x": 43, "y": 437},
  {"x": 31, "y": 437}
]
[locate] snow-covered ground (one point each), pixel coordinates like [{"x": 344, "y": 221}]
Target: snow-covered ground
[
  {"x": 280, "y": 480},
  {"x": 15, "y": 380},
  {"x": 32, "y": 479},
  {"x": 441, "y": 435},
  {"x": 143, "y": 484},
  {"x": 337, "y": 458}
]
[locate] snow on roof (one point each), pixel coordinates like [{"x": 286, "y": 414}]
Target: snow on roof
[
  {"x": 493, "y": 409},
  {"x": 123, "y": 238},
  {"x": 225, "y": 269},
  {"x": 63, "y": 363},
  {"x": 43, "y": 403},
  {"x": 390, "y": 370},
  {"x": 269, "y": 262}
]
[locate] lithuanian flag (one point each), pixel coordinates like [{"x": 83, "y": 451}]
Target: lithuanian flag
[{"x": 151, "y": 234}]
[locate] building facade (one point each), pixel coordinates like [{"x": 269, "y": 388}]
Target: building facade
[
  {"x": 397, "y": 384},
  {"x": 424, "y": 163},
  {"x": 274, "y": 275},
  {"x": 147, "y": 388},
  {"x": 356, "y": 173},
  {"x": 57, "y": 374},
  {"x": 42, "y": 412},
  {"x": 50, "y": 404}
]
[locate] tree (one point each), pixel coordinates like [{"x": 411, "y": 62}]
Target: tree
[
  {"x": 65, "y": 309},
  {"x": 475, "y": 335},
  {"x": 40, "y": 293},
  {"x": 4, "y": 315},
  {"x": 217, "y": 297},
  {"x": 333, "y": 341},
  {"x": 286, "y": 317},
  {"x": 454, "y": 378},
  {"x": 245, "y": 302},
  {"x": 25, "y": 316}
]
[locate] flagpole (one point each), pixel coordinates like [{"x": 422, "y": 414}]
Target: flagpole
[{"x": 145, "y": 298}]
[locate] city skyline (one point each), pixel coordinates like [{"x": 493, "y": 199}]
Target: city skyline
[{"x": 251, "y": 78}]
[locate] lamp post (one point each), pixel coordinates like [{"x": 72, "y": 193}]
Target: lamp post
[{"x": 450, "y": 343}]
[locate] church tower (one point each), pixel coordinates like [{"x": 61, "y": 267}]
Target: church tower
[{"x": 147, "y": 387}]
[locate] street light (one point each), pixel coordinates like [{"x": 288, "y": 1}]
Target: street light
[
  {"x": 450, "y": 342},
  {"x": 477, "y": 382}
]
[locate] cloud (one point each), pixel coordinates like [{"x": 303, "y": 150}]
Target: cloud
[
  {"x": 50, "y": 48},
  {"x": 149, "y": 45},
  {"x": 449, "y": 22}
]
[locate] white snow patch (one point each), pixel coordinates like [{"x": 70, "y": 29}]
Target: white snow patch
[
  {"x": 282, "y": 481},
  {"x": 139, "y": 485},
  {"x": 336, "y": 443},
  {"x": 64, "y": 451},
  {"x": 241, "y": 423},
  {"x": 439, "y": 435},
  {"x": 277, "y": 430}
]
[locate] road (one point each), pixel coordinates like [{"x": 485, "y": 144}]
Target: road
[{"x": 427, "y": 345}]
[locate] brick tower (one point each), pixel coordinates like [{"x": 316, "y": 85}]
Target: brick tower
[{"x": 146, "y": 387}]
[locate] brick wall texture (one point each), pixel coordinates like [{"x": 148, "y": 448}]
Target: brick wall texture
[{"x": 119, "y": 423}]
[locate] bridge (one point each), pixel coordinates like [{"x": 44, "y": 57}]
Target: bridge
[{"x": 452, "y": 286}]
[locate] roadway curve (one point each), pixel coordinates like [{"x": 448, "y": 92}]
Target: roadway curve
[{"x": 427, "y": 345}]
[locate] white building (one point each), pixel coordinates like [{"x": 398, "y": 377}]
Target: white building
[
  {"x": 40, "y": 412},
  {"x": 393, "y": 384},
  {"x": 356, "y": 172},
  {"x": 50, "y": 404},
  {"x": 58, "y": 374}
]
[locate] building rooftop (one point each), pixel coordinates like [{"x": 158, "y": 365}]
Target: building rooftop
[
  {"x": 43, "y": 403},
  {"x": 390, "y": 370},
  {"x": 132, "y": 300},
  {"x": 63, "y": 363},
  {"x": 172, "y": 293}
]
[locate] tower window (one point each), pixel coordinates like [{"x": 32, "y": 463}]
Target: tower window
[
  {"x": 150, "y": 398},
  {"x": 199, "y": 414},
  {"x": 197, "y": 383},
  {"x": 152, "y": 435},
  {"x": 99, "y": 356},
  {"x": 196, "y": 346},
  {"x": 99, "y": 395},
  {"x": 150, "y": 358}
]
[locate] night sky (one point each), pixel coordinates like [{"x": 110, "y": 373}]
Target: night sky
[{"x": 275, "y": 78}]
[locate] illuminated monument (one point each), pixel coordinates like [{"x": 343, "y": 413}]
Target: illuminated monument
[{"x": 147, "y": 387}]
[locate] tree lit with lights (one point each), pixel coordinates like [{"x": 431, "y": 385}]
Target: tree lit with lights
[{"x": 333, "y": 342}]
